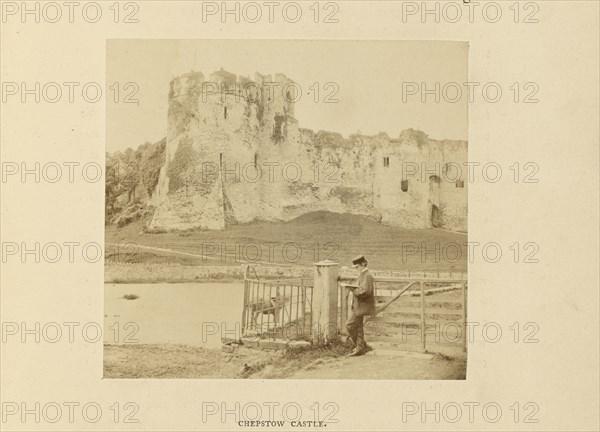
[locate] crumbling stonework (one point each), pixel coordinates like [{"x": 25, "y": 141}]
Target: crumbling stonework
[{"x": 235, "y": 153}]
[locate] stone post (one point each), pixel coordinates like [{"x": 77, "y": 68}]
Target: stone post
[{"x": 325, "y": 302}]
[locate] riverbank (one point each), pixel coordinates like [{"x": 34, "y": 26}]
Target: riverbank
[
  {"x": 169, "y": 272},
  {"x": 184, "y": 361}
]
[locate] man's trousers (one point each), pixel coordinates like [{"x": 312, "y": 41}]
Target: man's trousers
[{"x": 356, "y": 331}]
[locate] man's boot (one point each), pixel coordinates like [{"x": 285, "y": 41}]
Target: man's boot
[{"x": 355, "y": 353}]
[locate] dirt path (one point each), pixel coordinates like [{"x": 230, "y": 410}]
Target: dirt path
[
  {"x": 382, "y": 365},
  {"x": 204, "y": 258},
  {"x": 123, "y": 245}
]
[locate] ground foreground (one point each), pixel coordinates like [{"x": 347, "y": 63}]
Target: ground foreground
[{"x": 182, "y": 361}]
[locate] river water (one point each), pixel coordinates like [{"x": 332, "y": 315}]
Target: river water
[{"x": 177, "y": 313}]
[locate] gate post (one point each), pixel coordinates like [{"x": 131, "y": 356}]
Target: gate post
[{"x": 325, "y": 302}]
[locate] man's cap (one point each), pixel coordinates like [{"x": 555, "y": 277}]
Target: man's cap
[{"x": 358, "y": 260}]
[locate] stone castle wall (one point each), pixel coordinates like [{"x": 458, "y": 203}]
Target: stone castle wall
[{"x": 235, "y": 153}]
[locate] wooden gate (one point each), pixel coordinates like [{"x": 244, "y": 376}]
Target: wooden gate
[
  {"x": 416, "y": 314},
  {"x": 276, "y": 308}
]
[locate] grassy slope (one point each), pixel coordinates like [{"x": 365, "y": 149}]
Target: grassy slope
[{"x": 318, "y": 236}]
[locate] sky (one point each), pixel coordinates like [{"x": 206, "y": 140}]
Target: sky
[{"x": 368, "y": 76}]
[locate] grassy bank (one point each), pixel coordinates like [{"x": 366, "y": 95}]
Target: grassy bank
[
  {"x": 297, "y": 243},
  {"x": 156, "y": 272},
  {"x": 173, "y": 272},
  {"x": 184, "y": 361}
]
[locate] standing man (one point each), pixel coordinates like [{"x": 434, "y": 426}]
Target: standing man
[{"x": 363, "y": 303}]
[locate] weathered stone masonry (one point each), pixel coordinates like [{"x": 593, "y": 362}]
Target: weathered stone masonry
[{"x": 235, "y": 153}]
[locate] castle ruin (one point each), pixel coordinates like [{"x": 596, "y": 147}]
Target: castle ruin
[{"x": 235, "y": 153}]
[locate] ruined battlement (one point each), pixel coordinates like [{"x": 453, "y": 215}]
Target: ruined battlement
[
  {"x": 245, "y": 129},
  {"x": 224, "y": 83}
]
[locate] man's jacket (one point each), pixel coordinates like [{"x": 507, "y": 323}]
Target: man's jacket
[{"x": 363, "y": 300}]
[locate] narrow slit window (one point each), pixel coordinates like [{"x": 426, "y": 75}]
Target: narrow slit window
[
  {"x": 225, "y": 112},
  {"x": 404, "y": 185},
  {"x": 386, "y": 161}
]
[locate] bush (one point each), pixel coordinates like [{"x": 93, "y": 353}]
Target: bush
[
  {"x": 126, "y": 174},
  {"x": 147, "y": 230},
  {"x": 131, "y": 214}
]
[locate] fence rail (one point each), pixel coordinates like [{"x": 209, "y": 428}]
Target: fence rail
[
  {"x": 423, "y": 274},
  {"x": 277, "y": 308}
]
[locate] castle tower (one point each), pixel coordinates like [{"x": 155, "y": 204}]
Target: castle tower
[{"x": 219, "y": 129}]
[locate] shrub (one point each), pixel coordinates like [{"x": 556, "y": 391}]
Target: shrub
[{"x": 132, "y": 213}]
